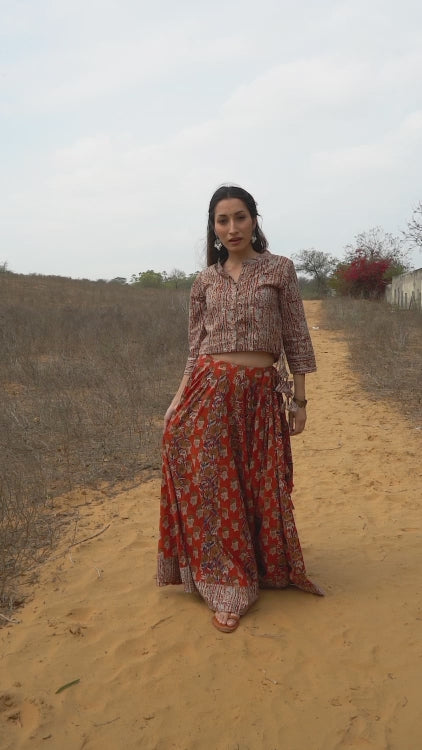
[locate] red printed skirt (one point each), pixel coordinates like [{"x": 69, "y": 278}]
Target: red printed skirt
[{"x": 226, "y": 522}]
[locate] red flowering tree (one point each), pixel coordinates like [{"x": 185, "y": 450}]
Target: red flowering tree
[
  {"x": 363, "y": 277},
  {"x": 370, "y": 265}
]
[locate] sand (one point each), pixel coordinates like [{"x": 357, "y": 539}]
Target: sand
[{"x": 300, "y": 673}]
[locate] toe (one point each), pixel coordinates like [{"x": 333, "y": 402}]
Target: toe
[{"x": 227, "y": 618}]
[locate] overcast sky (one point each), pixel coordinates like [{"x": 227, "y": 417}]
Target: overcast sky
[{"x": 119, "y": 119}]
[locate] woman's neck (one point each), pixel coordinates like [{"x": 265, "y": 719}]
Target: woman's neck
[{"x": 236, "y": 259}]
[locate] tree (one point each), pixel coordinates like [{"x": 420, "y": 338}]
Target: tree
[
  {"x": 179, "y": 279},
  {"x": 308, "y": 288},
  {"x": 148, "y": 279},
  {"x": 176, "y": 278},
  {"x": 375, "y": 244},
  {"x": 317, "y": 264},
  {"x": 370, "y": 264},
  {"x": 4, "y": 267},
  {"x": 414, "y": 228},
  {"x": 363, "y": 277},
  {"x": 191, "y": 278}
]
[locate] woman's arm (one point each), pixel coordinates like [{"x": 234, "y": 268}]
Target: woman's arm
[
  {"x": 297, "y": 419},
  {"x": 297, "y": 344},
  {"x": 196, "y": 334},
  {"x": 196, "y": 331}
]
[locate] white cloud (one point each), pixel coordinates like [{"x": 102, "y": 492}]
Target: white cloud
[
  {"x": 93, "y": 68},
  {"x": 323, "y": 127},
  {"x": 388, "y": 153}
]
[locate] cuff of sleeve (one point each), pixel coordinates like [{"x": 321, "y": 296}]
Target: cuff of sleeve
[
  {"x": 190, "y": 364},
  {"x": 305, "y": 370}
]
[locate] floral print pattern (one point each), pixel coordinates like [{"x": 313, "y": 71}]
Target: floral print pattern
[{"x": 226, "y": 521}]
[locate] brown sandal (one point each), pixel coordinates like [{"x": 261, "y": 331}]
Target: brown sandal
[{"x": 224, "y": 628}]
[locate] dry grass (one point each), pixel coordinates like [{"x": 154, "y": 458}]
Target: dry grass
[
  {"x": 385, "y": 347},
  {"x": 87, "y": 370}
]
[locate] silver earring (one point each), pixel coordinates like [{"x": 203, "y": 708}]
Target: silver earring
[
  {"x": 253, "y": 238},
  {"x": 217, "y": 244}
]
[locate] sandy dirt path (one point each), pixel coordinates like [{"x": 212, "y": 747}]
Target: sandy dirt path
[{"x": 300, "y": 673}]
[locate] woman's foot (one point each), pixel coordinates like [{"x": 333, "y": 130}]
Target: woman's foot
[{"x": 226, "y": 622}]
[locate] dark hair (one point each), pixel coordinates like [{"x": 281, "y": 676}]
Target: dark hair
[{"x": 223, "y": 193}]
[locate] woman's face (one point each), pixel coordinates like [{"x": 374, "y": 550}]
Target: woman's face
[{"x": 234, "y": 225}]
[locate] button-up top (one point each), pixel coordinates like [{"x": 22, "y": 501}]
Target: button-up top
[{"x": 262, "y": 311}]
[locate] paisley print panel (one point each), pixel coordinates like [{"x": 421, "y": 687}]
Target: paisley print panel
[{"x": 226, "y": 521}]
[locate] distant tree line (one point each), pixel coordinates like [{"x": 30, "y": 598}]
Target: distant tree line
[
  {"x": 176, "y": 279},
  {"x": 369, "y": 264}
]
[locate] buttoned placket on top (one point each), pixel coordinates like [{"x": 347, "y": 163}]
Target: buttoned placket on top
[{"x": 236, "y": 319}]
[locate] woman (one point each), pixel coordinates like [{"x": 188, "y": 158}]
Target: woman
[{"x": 226, "y": 525}]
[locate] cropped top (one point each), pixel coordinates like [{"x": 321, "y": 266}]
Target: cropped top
[{"x": 262, "y": 311}]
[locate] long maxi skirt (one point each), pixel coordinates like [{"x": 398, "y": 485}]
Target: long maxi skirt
[{"x": 226, "y": 521}]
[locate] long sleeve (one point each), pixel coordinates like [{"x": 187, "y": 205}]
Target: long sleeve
[
  {"x": 296, "y": 339},
  {"x": 197, "y": 330}
]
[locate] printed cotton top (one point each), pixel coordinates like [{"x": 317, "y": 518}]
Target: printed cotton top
[{"x": 262, "y": 311}]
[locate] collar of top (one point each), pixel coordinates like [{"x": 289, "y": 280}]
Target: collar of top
[{"x": 246, "y": 261}]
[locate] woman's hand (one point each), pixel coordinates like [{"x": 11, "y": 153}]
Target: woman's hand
[
  {"x": 297, "y": 420},
  {"x": 169, "y": 413},
  {"x": 176, "y": 401}
]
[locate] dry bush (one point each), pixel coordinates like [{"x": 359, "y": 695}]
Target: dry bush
[
  {"x": 86, "y": 373},
  {"x": 385, "y": 347}
]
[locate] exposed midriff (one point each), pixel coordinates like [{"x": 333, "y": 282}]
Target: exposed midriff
[{"x": 245, "y": 359}]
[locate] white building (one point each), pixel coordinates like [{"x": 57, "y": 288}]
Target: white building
[{"x": 406, "y": 290}]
